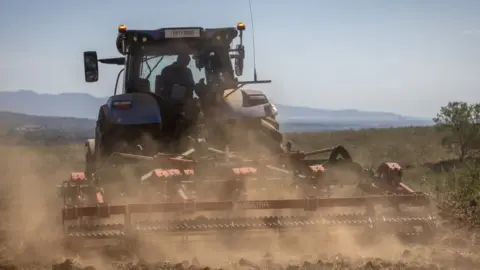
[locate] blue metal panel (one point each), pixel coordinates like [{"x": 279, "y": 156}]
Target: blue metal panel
[{"x": 144, "y": 109}]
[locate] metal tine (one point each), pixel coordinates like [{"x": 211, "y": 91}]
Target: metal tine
[
  {"x": 368, "y": 219},
  {"x": 95, "y": 227},
  {"x": 261, "y": 222}
]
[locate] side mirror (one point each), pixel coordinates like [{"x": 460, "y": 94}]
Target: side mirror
[
  {"x": 90, "y": 63},
  {"x": 238, "y": 66},
  {"x": 239, "y": 60},
  {"x": 241, "y": 51}
]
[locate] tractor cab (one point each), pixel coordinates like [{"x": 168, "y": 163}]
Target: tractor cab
[{"x": 147, "y": 52}]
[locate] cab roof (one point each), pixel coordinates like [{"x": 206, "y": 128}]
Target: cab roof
[{"x": 191, "y": 36}]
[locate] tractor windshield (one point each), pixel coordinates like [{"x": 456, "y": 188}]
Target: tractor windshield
[
  {"x": 152, "y": 67},
  {"x": 206, "y": 63}
]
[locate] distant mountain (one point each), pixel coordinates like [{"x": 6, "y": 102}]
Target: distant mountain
[
  {"x": 64, "y": 105},
  {"x": 18, "y": 128},
  {"x": 305, "y": 114},
  {"x": 9, "y": 120},
  {"x": 293, "y": 118}
]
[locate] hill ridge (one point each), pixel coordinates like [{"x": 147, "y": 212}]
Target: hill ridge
[{"x": 85, "y": 105}]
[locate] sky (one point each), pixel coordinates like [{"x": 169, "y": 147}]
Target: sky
[{"x": 406, "y": 56}]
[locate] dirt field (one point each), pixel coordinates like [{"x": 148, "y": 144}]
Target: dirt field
[{"x": 31, "y": 238}]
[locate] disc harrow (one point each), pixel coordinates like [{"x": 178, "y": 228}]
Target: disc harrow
[
  {"x": 177, "y": 201},
  {"x": 406, "y": 225}
]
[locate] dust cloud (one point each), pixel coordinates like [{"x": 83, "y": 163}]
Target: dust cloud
[{"x": 32, "y": 231}]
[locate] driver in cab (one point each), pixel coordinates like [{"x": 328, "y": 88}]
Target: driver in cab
[
  {"x": 176, "y": 80},
  {"x": 177, "y": 85}
]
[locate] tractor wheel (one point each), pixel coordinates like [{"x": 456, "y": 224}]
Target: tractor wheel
[
  {"x": 99, "y": 151},
  {"x": 272, "y": 121},
  {"x": 90, "y": 164},
  {"x": 270, "y": 127},
  {"x": 102, "y": 145},
  {"x": 269, "y": 134}
]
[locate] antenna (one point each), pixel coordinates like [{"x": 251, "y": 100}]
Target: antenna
[{"x": 253, "y": 38}]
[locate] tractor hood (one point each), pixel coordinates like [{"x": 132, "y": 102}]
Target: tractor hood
[{"x": 246, "y": 104}]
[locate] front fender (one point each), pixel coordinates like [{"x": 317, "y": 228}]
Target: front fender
[{"x": 143, "y": 109}]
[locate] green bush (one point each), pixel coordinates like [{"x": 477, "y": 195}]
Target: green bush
[
  {"x": 459, "y": 121},
  {"x": 457, "y": 194}
]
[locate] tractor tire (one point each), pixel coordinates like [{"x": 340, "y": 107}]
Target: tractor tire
[
  {"x": 272, "y": 121},
  {"x": 90, "y": 158},
  {"x": 270, "y": 127},
  {"x": 102, "y": 147},
  {"x": 267, "y": 133}
]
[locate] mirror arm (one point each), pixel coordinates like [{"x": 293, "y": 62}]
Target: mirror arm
[
  {"x": 241, "y": 37},
  {"x": 254, "y": 82},
  {"x": 113, "y": 61}
]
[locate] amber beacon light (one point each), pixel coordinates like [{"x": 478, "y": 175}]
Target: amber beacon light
[
  {"x": 240, "y": 26},
  {"x": 122, "y": 28}
]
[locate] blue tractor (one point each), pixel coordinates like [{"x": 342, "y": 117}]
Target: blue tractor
[
  {"x": 182, "y": 111},
  {"x": 179, "y": 85}
]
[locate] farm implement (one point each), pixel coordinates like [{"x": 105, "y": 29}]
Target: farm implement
[{"x": 180, "y": 202}]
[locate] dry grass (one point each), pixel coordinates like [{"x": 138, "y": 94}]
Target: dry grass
[
  {"x": 407, "y": 146},
  {"x": 419, "y": 151}
]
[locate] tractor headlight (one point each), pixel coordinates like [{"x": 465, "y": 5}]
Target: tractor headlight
[
  {"x": 274, "y": 109},
  {"x": 270, "y": 110}
]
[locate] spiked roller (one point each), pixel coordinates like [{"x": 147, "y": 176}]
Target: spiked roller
[{"x": 407, "y": 225}]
